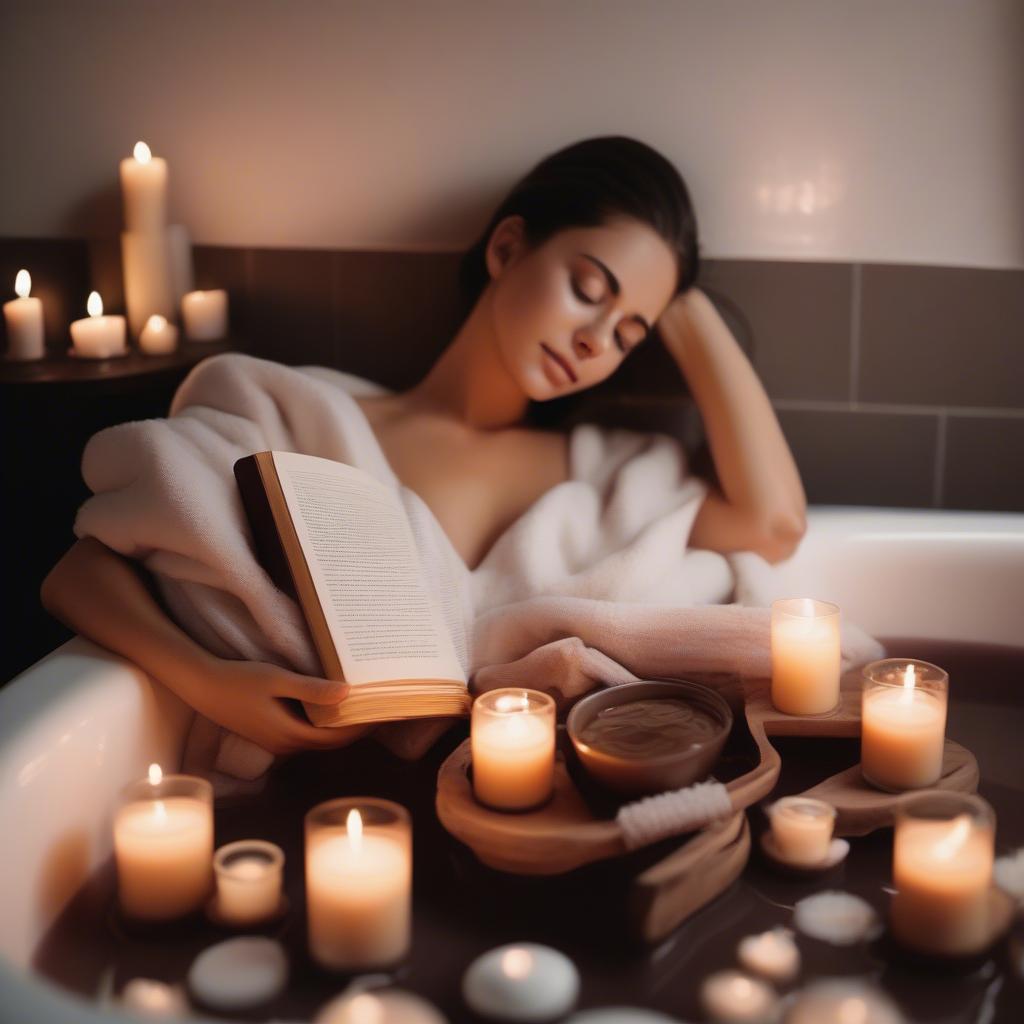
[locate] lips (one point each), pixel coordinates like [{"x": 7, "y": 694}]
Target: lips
[{"x": 567, "y": 369}]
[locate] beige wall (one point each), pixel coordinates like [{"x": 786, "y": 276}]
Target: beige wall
[{"x": 878, "y": 130}]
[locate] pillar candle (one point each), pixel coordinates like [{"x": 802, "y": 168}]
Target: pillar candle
[
  {"x": 24, "y": 320},
  {"x": 805, "y": 656},
  {"x": 144, "y": 189},
  {"x": 158, "y": 337},
  {"x": 205, "y": 314},
  {"x": 248, "y": 881},
  {"x": 98, "y": 336},
  {"x": 148, "y": 288}
]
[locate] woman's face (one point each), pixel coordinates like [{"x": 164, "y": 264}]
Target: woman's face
[{"x": 566, "y": 313}]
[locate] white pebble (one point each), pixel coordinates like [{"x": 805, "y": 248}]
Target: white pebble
[
  {"x": 733, "y": 997},
  {"x": 772, "y": 954},
  {"x": 523, "y": 981},
  {"x": 239, "y": 973},
  {"x": 1009, "y": 873},
  {"x": 837, "y": 917},
  {"x": 620, "y": 1015},
  {"x": 841, "y": 1001}
]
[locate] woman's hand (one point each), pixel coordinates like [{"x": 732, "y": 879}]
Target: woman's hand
[{"x": 246, "y": 698}]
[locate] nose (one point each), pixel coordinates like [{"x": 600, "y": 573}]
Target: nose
[{"x": 592, "y": 340}]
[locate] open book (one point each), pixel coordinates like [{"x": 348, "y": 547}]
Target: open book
[{"x": 339, "y": 542}]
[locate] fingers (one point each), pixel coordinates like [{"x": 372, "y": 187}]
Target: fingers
[{"x": 312, "y": 688}]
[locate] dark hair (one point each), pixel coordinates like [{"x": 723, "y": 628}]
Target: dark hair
[{"x": 585, "y": 185}]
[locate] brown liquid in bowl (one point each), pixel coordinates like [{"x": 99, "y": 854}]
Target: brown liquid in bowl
[{"x": 649, "y": 728}]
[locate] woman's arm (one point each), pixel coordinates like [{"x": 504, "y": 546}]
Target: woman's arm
[
  {"x": 98, "y": 593},
  {"x": 761, "y": 505}
]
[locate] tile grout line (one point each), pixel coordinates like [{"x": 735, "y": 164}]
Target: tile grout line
[
  {"x": 890, "y": 408},
  {"x": 855, "y": 303},
  {"x": 940, "y": 461}
]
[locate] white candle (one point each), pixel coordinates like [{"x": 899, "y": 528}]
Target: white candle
[
  {"x": 248, "y": 881},
  {"x": 163, "y": 847},
  {"x": 903, "y": 727},
  {"x": 358, "y": 894},
  {"x": 521, "y": 982},
  {"x": 98, "y": 336},
  {"x": 802, "y": 830},
  {"x": 144, "y": 188},
  {"x": 158, "y": 337},
  {"x": 513, "y": 748},
  {"x": 386, "y": 1006},
  {"x": 805, "y": 656},
  {"x": 735, "y": 998},
  {"x": 205, "y": 314},
  {"x": 771, "y": 954},
  {"x": 24, "y": 319}
]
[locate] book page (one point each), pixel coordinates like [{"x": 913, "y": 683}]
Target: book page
[{"x": 384, "y": 621}]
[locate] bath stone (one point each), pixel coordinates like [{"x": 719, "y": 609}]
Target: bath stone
[
  {"x": 380, "y": 1006},
  {"x": 1009, "y": 873},
  {"x": 149, "y": 998},
  {"x": 621, "y": 1015},
  {"x": 733, "y": 997},
  {"x": 840, "y": 1001},
  {"x": 772, "y": 954},
  {"x": 239, "y": 973},
  {"x": 522, "y": 981},
  {"x": 839, "y": 918}
]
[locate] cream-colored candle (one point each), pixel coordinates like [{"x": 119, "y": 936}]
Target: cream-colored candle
[
  {"x": 205, "y": 314},
  {"x": 513, "y": 748},
  {"x": 802, "y": 829},
  {"x": 358, "y": 883},
  {"x": 903, "y": 724},
  {"x": 942, "y": 873},
  {"x": 23, "y": 317},
  {"x": 732, "y": 997},
  {"x": 163, "y": 846},
  {"x": 98, "y": 336},
  {"x": 158, "y": 337},
  {"x": 773, "y": 955},
  {"x": 805, "y": 656},
  {"x": 248, "y": 881},
  {"x": 144, "y": 188}
]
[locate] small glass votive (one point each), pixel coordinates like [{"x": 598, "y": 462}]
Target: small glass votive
[
  {"x": 802, "y": 830},
  {"x": 903, "y": 723},
  {"x": 943, "y": 852},
  {"x": 163, "y": 846},
  {"x": 248, "y": 876},
  {"x": 512, "y": 737},
  {"x": 358, "y": 882},
  {"x": 805, "y": 656}
]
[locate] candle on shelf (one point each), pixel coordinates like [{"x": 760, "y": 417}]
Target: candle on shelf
[
  {"x": 943, "y": 851},
  {"x": 732, "y": 997},
  {"x": 158, "y": 337},
  {"x": 802, "y": 829},
  {"x": 513, "y": 748},
  {"x": 805, "y": 656},
  {"x": 205, "y": 314},
  {"x": 383, "y": 1006},
  {"x": 98, "y": 336},
  {"x": 248, "y": 881},
  {"x": 144, "y": 188},
  {"x": 521, "y": 982},
  {"x": 163, "y": 845},
  {"x": 358, "y": 882},
  {"x": 772, "y": 954},
  {"x": 24, "y": 319},
  {"x": 903, "y": 723}
]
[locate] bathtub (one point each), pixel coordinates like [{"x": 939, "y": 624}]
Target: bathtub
[{"x": 81, "y": 722}]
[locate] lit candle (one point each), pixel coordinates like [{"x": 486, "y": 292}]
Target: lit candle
[
  {"x": 358, "y": 883},
  {"x": 805, "y": 656},
  {"x": 385, "y": 1006},
  {"x": 802, "y": 830},
  {"x": 771, "y": 954},
  {"x": 513, "y": 748},
  {"x": 144, "y": 187},
  {"x": 205, "y": 314},
  {"x": 521, "y": 982},
  {"x": 903, "y": 723},
  {"x": 943, "y": 851},
  {"x": 98, "y": 336},
  {"x": 158, "y": 337},
  {"x": 248, "y": 881},
  {"x": 24, "y": 319},
  {"x": 163, "y": 846},
  {"x": 732, "y": 997},
  {"x": 147, "y": 997}
]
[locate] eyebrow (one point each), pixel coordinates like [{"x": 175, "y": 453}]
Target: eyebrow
[{"x": 613, "y": 283}]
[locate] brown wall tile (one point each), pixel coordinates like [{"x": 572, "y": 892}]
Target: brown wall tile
[{"x": 984, "y": 463}]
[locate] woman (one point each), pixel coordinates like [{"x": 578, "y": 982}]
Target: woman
[{"x": 588, "y": 253}]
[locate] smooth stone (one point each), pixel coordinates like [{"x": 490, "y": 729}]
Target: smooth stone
[
  {"x": 839, "y": 918},
  {"x": 239, "y": 973},
  {"x": 839, "y": 1001},
  {"x": 733, "y": 997},
  {"x": 621, "y": 1015},
  {"x": 149, "y": 998},
  {"x": 381, "y": 1006},
  {"x": 523, "y": 981},
  {"x": 772, "y": 954}
]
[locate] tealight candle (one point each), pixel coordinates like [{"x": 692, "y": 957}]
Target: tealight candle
[
  {"x": 513, "y": 748},
  {"x": 903, "y": 723},
  {"x": 158, "y": 337},
  {"x": 805, "y": 656},
  {"x": 802, "y": 829},
  {"x": 24, "y": 319},
  {"x": 943, "y": 852},
  {"x": 358, "y": 882},
  {"x": 248, "y": 881},
  {"x": 98, "y": 336},
  {"x": 144, "y": 187},
  {"x": 383, "y": 1006},
  {"x": 163, "y": 846},
  {"x": 205, "y": 314},
  {"x": 771, "y": 954},
  {"x": 733, "y": 997},
  {"x": 521, "y": 982}
]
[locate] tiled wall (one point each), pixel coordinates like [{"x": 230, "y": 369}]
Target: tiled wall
[{"x": 895, "y": 385}]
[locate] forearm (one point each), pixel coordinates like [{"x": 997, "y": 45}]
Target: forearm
[{"x": 755, "y": 467}]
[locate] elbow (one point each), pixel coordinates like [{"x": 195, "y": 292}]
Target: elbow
[{"x": 779, "y": 538}]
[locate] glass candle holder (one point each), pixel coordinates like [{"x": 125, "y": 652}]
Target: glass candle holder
[
  {"x": 805, "y": 656},
  {"x": 513, "y": 747},
  {"x": 248, "y": 876},
  {"x": 903, "y": 723},
  {"x": 943, "y": 852},
  {"x": 163, "y": 846},
  {"x": 358, "y": 882},
  {"x": 802, "y": 829}
]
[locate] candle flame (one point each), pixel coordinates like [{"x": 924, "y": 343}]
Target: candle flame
[
  {"x": 95, "y": 304},
  {"x": 354, "y": 825},
  {"x": 909, "y": 682},
  {"x": 23, "y": 284},
  {"x": 142, "y": 153},
  {"x": 155, "y": 774},
  {"x": 946, "y": 849},
  {"x": 517, "y": 963},
  {"x": 156, "y": 322},
  {"x": 364, "y": 1009},
  {"x": 508, "y": 703}
]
